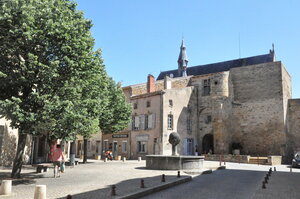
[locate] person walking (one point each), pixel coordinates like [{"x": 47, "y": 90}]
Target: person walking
[{"x": 57, "y": 158}]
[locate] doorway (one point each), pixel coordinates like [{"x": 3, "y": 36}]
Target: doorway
[{"x": 208, "y": 144}]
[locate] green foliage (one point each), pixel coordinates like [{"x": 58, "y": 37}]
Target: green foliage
[
  {"x": 117, "y": 114},
  {"x": 50, "y": 78}
]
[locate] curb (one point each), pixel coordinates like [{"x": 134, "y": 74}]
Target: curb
[{"x": 151, "y": 190}]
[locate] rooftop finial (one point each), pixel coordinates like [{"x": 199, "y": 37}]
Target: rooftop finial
[{"x": 182, "y": 60}]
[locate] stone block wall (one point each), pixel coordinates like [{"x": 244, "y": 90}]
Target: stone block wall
[
  {"x": 293, "y": 134},
  {"x": 258, "y": 112}
]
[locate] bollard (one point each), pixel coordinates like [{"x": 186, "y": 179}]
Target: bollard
[
  {"x": 220, "y": 160},
  {"x": 178, "y": 174},
  {"x": 5, "y": 188},
  {"x": 105, "y": 159},
  {"x": 263, "y": 185},
  {"x": 113, "y": 190},
  {"x": 239, "y": 159},
  {"x": 139, "y": 159},
  {"x": 163, "y": 179},
  {"x": 266, "y": 180},
  {"x": 40, "y": 192},
  {"x": 124, "y": 159},
  {"x": 69, "y": 197},
  {"x": 274, "y": 168},
  {"x": 142, "y": 183},
  {"x": 267, "y": 176},
  {"x": 291, "y": 170}
]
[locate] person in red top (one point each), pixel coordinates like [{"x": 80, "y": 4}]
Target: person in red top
[{"x": 57, "y": 158}]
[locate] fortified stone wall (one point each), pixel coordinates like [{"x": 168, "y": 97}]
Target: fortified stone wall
[
  {"x": 258, "y": 112},
  {"x": 293, "y": 134}
]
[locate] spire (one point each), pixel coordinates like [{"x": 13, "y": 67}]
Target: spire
[{"x": 182, "y": 61}]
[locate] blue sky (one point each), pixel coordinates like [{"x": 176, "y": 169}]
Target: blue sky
[{"x": 141, "y": 37}]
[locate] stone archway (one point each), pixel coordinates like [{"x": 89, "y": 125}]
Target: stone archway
[{"x": 208, "y": 143}]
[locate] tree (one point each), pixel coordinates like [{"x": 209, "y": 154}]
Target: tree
[
  {"x": 45, "y": 54},
  {"x": 117, "y": 114}
]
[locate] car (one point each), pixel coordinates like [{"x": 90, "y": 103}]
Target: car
[{"x": 296, "y": 160}]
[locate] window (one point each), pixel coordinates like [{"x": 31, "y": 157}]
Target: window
[
  {"x": 171, "y": 103},
  {"x": 1, "y": 137},
  {"x": 170, "y": 121},
  {"x": 208, "y": 119},
  {"x": 135, "y": 122},
  {"x": 206, "y": 87},
  {"x": 105, "y": 145},
  {"x": 135, "y": 105},
  {"x": 124, "y": 146},
  {"x": 148, "y": 104},
  {"x": 189, "y": 124},
  {"x": 142, "y": 146},
  {"x": 146, "y": 121},
  {"x": 98, "y": 145}
]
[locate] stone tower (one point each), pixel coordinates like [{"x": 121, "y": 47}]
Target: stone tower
[{"x": 182, "y": 61}]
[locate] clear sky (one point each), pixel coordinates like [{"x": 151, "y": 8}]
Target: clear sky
[{"x": 141, "y": 37}]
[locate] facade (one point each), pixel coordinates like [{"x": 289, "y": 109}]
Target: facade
[
  {"x": 8, "y": 144},
  {"x": 212, "y": 107}
]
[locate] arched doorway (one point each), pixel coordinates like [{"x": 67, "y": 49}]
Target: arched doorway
[{"x": 208, "y": 143}]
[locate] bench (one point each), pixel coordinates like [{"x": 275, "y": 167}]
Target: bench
[{"x": 40, "y": 168}]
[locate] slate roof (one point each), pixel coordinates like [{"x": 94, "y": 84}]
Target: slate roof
[{"x": 221, "y": 66}]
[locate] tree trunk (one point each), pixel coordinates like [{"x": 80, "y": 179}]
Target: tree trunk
[
  {"x": 85, "y": 141},
  {"x": 18, "y": 162}
]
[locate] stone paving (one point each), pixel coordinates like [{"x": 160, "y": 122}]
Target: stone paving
[
  {"x": 239, "y": 181},
  {"x": 92, "y": 180}
]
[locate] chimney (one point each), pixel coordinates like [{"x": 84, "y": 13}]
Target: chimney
[
  {"x": 167, "y": 83},
  {"x": 150, "y": 84}
]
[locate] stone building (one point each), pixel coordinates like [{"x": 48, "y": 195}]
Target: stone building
[
  {"x": 245, "y": 101},
  {"x": 8, "y": 144}
]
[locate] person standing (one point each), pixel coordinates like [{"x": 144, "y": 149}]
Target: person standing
[
  {"x": 72, "y": 153},
  {"x": 57, "y": 158}
]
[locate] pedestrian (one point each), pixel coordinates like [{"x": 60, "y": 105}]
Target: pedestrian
[{"x": 57, "y": 158}]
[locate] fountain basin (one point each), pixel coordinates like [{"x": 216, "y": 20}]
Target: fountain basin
[{"x": 168, "y": 162}]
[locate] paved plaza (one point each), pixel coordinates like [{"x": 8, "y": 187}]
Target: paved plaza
[{"x": 93, "y": 180}]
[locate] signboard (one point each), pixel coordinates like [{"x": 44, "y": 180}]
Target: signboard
[{"x": 120, "y": 136}]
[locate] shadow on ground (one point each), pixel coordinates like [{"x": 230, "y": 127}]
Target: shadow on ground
[{"x": 124, "y": 188}]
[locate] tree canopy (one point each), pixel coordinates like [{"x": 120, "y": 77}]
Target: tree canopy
[{"x": 51, "y": 79}]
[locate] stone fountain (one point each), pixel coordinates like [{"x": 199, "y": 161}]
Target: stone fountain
[{"x": 174, "y": 161}]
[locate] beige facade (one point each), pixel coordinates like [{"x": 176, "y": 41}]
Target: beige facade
[
  {"x": 9, "y": 142},
  {"x": 94, "y": 146}
]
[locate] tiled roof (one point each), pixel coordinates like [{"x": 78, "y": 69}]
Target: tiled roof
[{"x": 221, "y": 66}]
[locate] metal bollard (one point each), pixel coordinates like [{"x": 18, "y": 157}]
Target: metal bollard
[
  {"x": 178, "y": 174},
  {"x": 220, "y": 161},
  {"x": 274, "y": 168},
  {"x": 5, "y": 188},
  {"x": 113, "y": 190},
  {"x": 69, "y": 197},
  {"x": 291, "y": 170},
  {"x": 163, "y": 179},
  {"x": 105, "y": 159},
  {"x": 139, "y": 159},
  {"x": 142, "y": 183},
  {"x": 263, "y": 185},
  {"x": 40, "y": 192},
  {"x": 266, "y": 180},
  {"x": 124, "y": 159}
]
